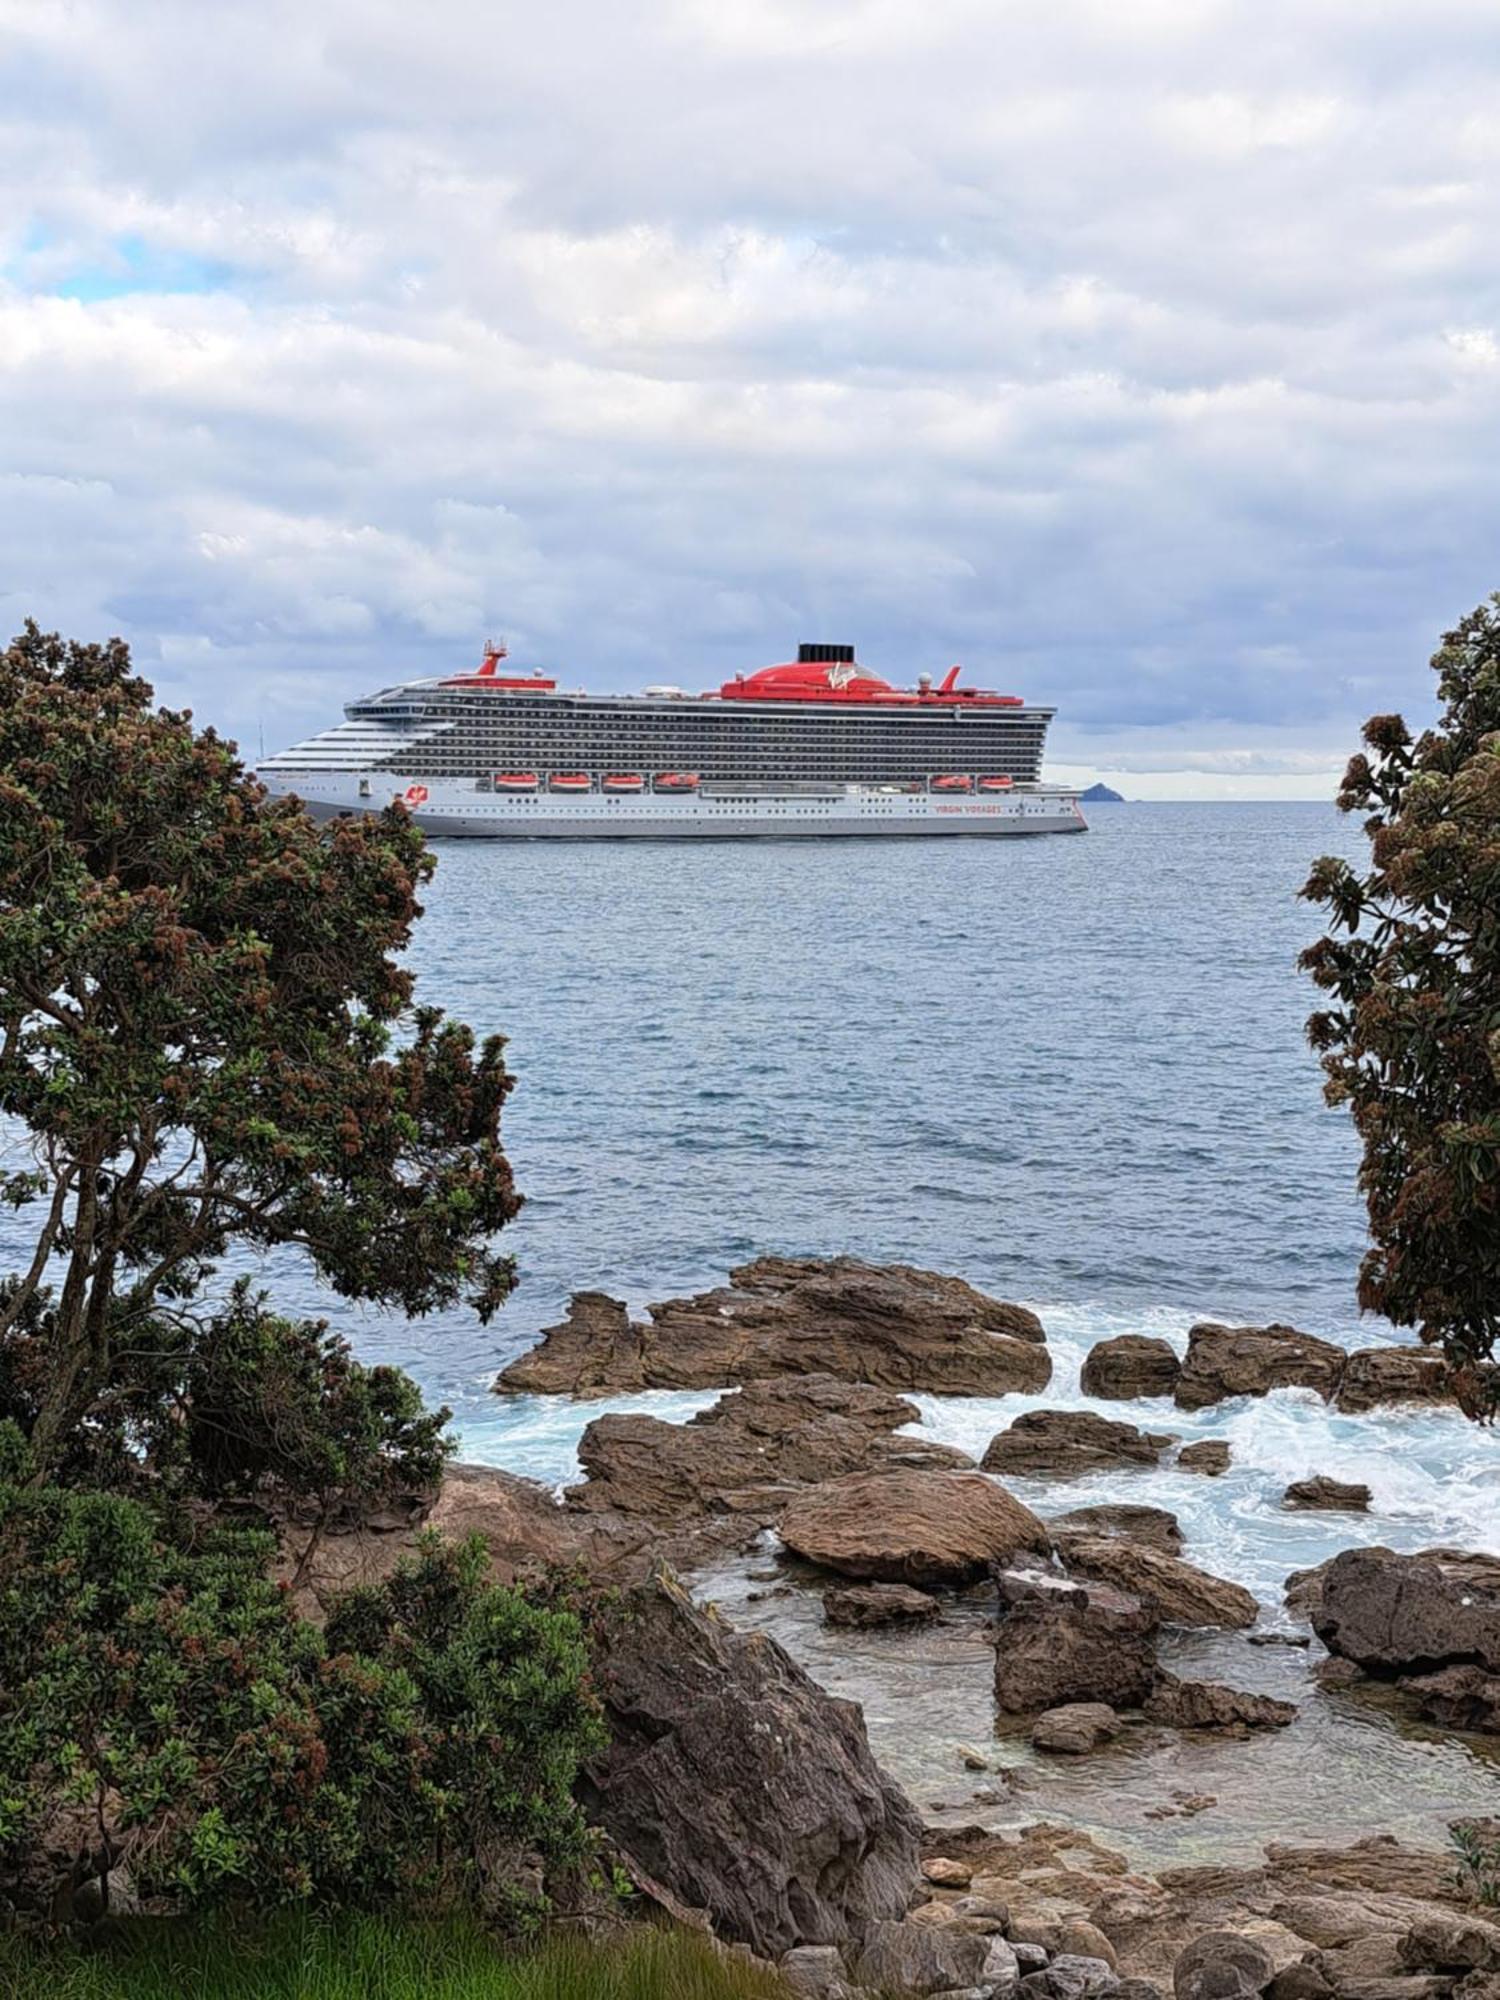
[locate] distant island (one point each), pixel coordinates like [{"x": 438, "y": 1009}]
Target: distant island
[{"x": 1101, "y": 795}]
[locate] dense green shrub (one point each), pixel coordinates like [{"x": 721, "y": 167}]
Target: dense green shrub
[
  {"x": 162, "y": 1708},
  {"x": 1411, "y": 1037}
]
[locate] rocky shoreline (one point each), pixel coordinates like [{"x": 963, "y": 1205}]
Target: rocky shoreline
[{"x": 737, "y": 1789}]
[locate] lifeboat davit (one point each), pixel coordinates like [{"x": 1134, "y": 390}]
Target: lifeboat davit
[
  {"x": 996, "y": 784},
  {"x": 516, "y": 781},
  {"x": 952, "y": 782},
  {"x": 624, "y": 781},
  {"x": 570, "y": 781},
  {"x": 677, "y": 781}
]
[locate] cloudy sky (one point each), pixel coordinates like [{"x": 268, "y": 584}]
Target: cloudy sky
[{"x": 1144, "y": 357}]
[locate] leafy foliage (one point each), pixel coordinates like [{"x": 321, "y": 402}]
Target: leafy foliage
[
  {"x": 198, "y": 993},
  {"x": 1411, "y": 1042},
  {"x": 162, "y": 1708}
]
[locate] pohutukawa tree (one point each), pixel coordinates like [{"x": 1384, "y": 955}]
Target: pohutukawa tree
[
  {"x": 206, "y": 1040},
  {"x": 1411, "y": 1041}
]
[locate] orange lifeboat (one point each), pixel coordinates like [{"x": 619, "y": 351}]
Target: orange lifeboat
[
  {"x": 515, "y": 781},
  {"x": 996, "y": 784},
  {"x": 570, "y": 781},
  {"x": 677, "y": 781},
  {"x": 951, "y": 782},
  {"x": 623, "y": 781}
]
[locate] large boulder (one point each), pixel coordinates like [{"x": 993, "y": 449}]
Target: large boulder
[
  {"x": 1062, "y": 1444},
  {"x": 910, "y": 1526},
  {"x": 1155, "y": 1526},
  {"x": 1132, "y": 1364},
  {"x": 919, "y": 1959},
  {"x": 1211, "y": 1705},
  {"x": 1226, "y": 1361},
  {"x": 734, "y": 1783},
  {"x": 1058, "y": 1644},
  {"x": 1177, "y": 1592},
  {"x": 1394, "y": 1614},
  {"x": 1075, "y": 1728},
  {"x": 888, "y": 1324},
  {"x": 1209, "y": 1457},
  {"x": 748, "y": 1448},
  {"x": 1376, "y": 1376},
  {"x": 1222, "y": 1965}
]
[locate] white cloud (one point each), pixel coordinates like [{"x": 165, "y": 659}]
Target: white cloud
[{"x": 1140, "y": 355}]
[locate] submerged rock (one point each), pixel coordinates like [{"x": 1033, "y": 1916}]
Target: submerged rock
[
  {"x": 1211, "y": 1705},
  {"x": 734, "y": 1782},
  {"x": 867, "y": 1604},
  {"x": 1075, "y": 1728},
  {"x": 914, "y": 1527},
  {"x": 1458, "y": 1698},
  {"x": 891, "y": 1325},
  {"x": 1153, "y": 1526},
  {"x": 1225, "y": 1361},
  {"x": 1132, "y": 1364},
  {"x": 1376, "y": 1376},
  {"x": 1059, "y": 1645},
  {"x": 1062, "y": 1444},
  {"x": 1324, "y": 1495},
  {"x": 1175, "y": 1591}
]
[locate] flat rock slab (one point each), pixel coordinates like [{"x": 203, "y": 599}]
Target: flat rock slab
[
  {"x": 1211, "y": 1705},
  {"x": 1156, "y": 1527},
  {"x": 1176, "y": 1591},
  {"x": 1063, "y": 1444},
  {"x": 1225, "y": 1361},
  {"x": 1324, "y": 1495},
  {"x": 871, "y": 1604},
  {"x": 915, "y": 1527},
  {"x": 1132, "y": 1364},
  {"x": 1075, "y": 1728},
  {"x": 891, "y": 1325}
]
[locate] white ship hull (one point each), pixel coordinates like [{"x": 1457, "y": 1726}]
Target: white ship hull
[{"x": 459, "y": 811}]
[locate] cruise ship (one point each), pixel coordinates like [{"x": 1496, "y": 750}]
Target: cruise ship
[{"x": 813, "y": 747}]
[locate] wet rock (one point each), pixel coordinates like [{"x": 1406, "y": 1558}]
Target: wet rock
[
  {"x": 891, "y": 1325},
  {"x": 1132, "y": 1364},
  {"x": 1324, "y": 1495},
  {"x": 1222, "y": 1965},
  {"x": 868, "y": 1604},
  {"x": 1227, "y": 1361},
  {"x": 946, "y": 1873},
  {"x": 1296, "y": 1639},
  {"x": 919, "y": 1958},
  {"x": 1057, "y": 1647},
  {"x": 1176, "y": 1591},
  {"x": 745, "y": 1451},
  {"x": 1458, "y": 1698},
  {"x": 1209, "y": 1457},
  {"x": 1063, "y": 1444},
  {"x": 1154, "y": 1526},
  {"x": 1210, "y": 1705},
  {"x": 736, "y": 1783},
  {"x": 1396, "y": 1614},
  {"x": 1333, "y": 1674},
  {"x": 915, "y": 1527},
  {"x": 1376, "y": 1376},
  {"x": 1075, "y": 1728}
]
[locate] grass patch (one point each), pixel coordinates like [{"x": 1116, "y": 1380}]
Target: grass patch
[{"x": 370, "y": 1958}]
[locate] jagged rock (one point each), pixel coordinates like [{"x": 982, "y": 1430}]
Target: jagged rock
[
  {"x": 1132, "y": 1364},
  {"x": 1226, "y": 1361},
  {"x": 735, "y": 1782},
  {"x": 866, "y": 1604},
  {"x": 1062, "y": 1444},
  {"x": 919, "y": 1958},
  {"x": 888, "y": 1324},
  {"x": 1375, "y": 1376},
  {"x": 814, "y": 1972},
  {"x": 1442, "y": 1941},
  {"x": 1058, "y": 1646},
  {"x": 1211, "y": 1705},
  {"x": 1209, "y": 1457},
  {"x": 913, "y": 1527},
  {"x": 1222, "y": 1965},
  {"x": 747, "y": 1449},
  {"x": 1324, "y": 1495},
  {"x": 1394, "y": 1614},
  {"x": 1136, "y": 1989},
  {"x": 1176, "y": 1591},
  {"x": 1002, "y": 1969},
  {"x": 1154, "y": 1526},
  {"x": 1070, "y": 1977},
  {"x": 1075, "y": 1728},
  {"x": 1458, "y": 1698}
]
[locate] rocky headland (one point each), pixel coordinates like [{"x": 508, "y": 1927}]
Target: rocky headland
[{"x": 740, "y": 1794}]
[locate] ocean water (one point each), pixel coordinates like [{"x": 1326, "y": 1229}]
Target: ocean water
[{"x": 1071, "y": 1070}]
